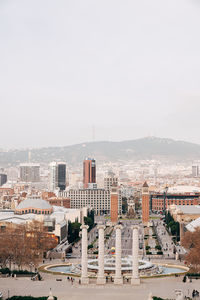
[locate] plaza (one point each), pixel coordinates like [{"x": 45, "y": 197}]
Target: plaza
[
  {"x": 64, "y": 290},
  {"x": 125, "y": 237}
]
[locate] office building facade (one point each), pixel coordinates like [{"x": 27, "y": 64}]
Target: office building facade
[
  {"x": 29, "y": 172},
  {"x": 57, "y": 179},
  {"x": 89, "y": 172},
  {"x": 3, "y": 179},
  {"x": 195, "y": 171},
  {"x": 97, "y": 199}
]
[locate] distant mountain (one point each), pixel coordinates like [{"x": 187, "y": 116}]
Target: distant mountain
[{"x": 145, "y": 148}]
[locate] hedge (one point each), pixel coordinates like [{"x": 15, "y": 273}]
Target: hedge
[
  {"x": 28, "y": 298},
  {"x": 17, "y": 272}
]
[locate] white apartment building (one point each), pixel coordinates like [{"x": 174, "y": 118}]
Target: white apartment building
[{"x": 97, "y": 199}]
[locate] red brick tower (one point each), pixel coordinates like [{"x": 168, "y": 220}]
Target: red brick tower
[
  {"x": 145, "y": 204},
  {"x": 114, "y": 204}
]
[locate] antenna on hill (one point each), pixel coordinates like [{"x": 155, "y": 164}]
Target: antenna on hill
[
  {"x": 29, "y": 156},
  {"x": 93, "y": 133}
]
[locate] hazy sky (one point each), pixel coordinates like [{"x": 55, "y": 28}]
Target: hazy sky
[{"x": 128, "y": 68}]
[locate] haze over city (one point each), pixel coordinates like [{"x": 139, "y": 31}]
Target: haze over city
[{"x": 77, "y": 71}]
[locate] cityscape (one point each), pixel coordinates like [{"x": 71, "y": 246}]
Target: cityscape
[
  {"x": 109, "y": 224},
  {"x": 99, "y": 150}
]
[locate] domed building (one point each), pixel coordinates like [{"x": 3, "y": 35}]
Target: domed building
[{"x": 34, "y": 205}]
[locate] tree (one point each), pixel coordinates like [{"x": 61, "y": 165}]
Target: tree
[
  {"x": 124, "y": 205},
  {"x": 88, "y": 221},
  {"x": 69, "y": 232},
  {"x": 191, "y": 242},
  {"x": 73, "y": 231},
  {"x": 90, "y": 215},
  {"x": 25, "y": 244}
]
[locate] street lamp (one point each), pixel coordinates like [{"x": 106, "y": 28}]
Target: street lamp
[{"x": 165, "y": 196}]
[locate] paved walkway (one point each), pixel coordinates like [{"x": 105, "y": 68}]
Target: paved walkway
[
  {"x": 163, "y": 287},
  {"x": 166, "y": 240}
]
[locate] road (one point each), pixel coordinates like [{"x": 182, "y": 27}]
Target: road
[
  {"x": 165, "y": 240},
  {"x": 126, "y": 238}
]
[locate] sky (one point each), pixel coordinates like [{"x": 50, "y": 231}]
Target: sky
[{"x": 84, "y": 70}]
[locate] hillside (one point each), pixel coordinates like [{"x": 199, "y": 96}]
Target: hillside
[{"x": 145, "y": 148}]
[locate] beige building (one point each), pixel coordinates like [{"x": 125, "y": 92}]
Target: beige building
[{"x": 185, "y": 214}]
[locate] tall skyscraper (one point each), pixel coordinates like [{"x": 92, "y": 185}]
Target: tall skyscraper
[
  {"x": 57, "y": 176},
  {"x": 89, "y": 172},
  {"x": 29, "y": 172},
  {"x": 195, "y": 171},
  {"x": 62, "y": 176},
  {"x": 3, "y": 179},
  {"x": 145, "y": 204}
]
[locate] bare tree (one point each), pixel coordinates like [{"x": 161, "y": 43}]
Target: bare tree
[
  {"x": 25, "y": 245},
  {"x": 191, "y": 242}
]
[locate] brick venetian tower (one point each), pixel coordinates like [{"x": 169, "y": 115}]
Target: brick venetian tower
[
  {"x": 145, "y": 204},
  {"x": 114, "y": 204}
]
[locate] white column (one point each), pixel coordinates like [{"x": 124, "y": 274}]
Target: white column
[
  {"x": 101, "y": 278},
  {"x": 84, "y": 261},
  {"x": 118, "y": 274},
  {"x": 135, "y": 280}
]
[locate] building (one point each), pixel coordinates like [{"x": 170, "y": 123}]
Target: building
[
  {"x": 177, "y": 195},
  {"x": 184, "y": 214},
  {"x": 114, "y": 204},
  {"x": 145, "y": 204},
  {"x": 110, "y": 180},
  {"x": 59, "y": 201},
  {"x": 29, "y": 172},
  {"x": 34, "y": 205},
  {"x": 195, "y": 171},
  {"x": 97, "y": 199},
  {"x": 55, "y": 218},
  {"x": 193, "y": 225},
  {"x": 57, "y": 176},
  {"x": 131, "y": 207},
  {"x": 3, "y": 179},
  {"x": 89, "y": 172},
  {"x": 128, "y": 191}
]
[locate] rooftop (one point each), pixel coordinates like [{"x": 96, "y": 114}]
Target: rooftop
[
  {"x": 189, "y": 209},
  {"x": 180, "y": 189},
  {"x": 193, "y": 225},
  {"x": 37, "y": 203}
]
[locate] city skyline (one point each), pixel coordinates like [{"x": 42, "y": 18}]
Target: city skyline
[{"x": 78, "y": 72}]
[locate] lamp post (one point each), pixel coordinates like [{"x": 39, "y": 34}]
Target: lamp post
[{"x": 165, "y": 196}]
